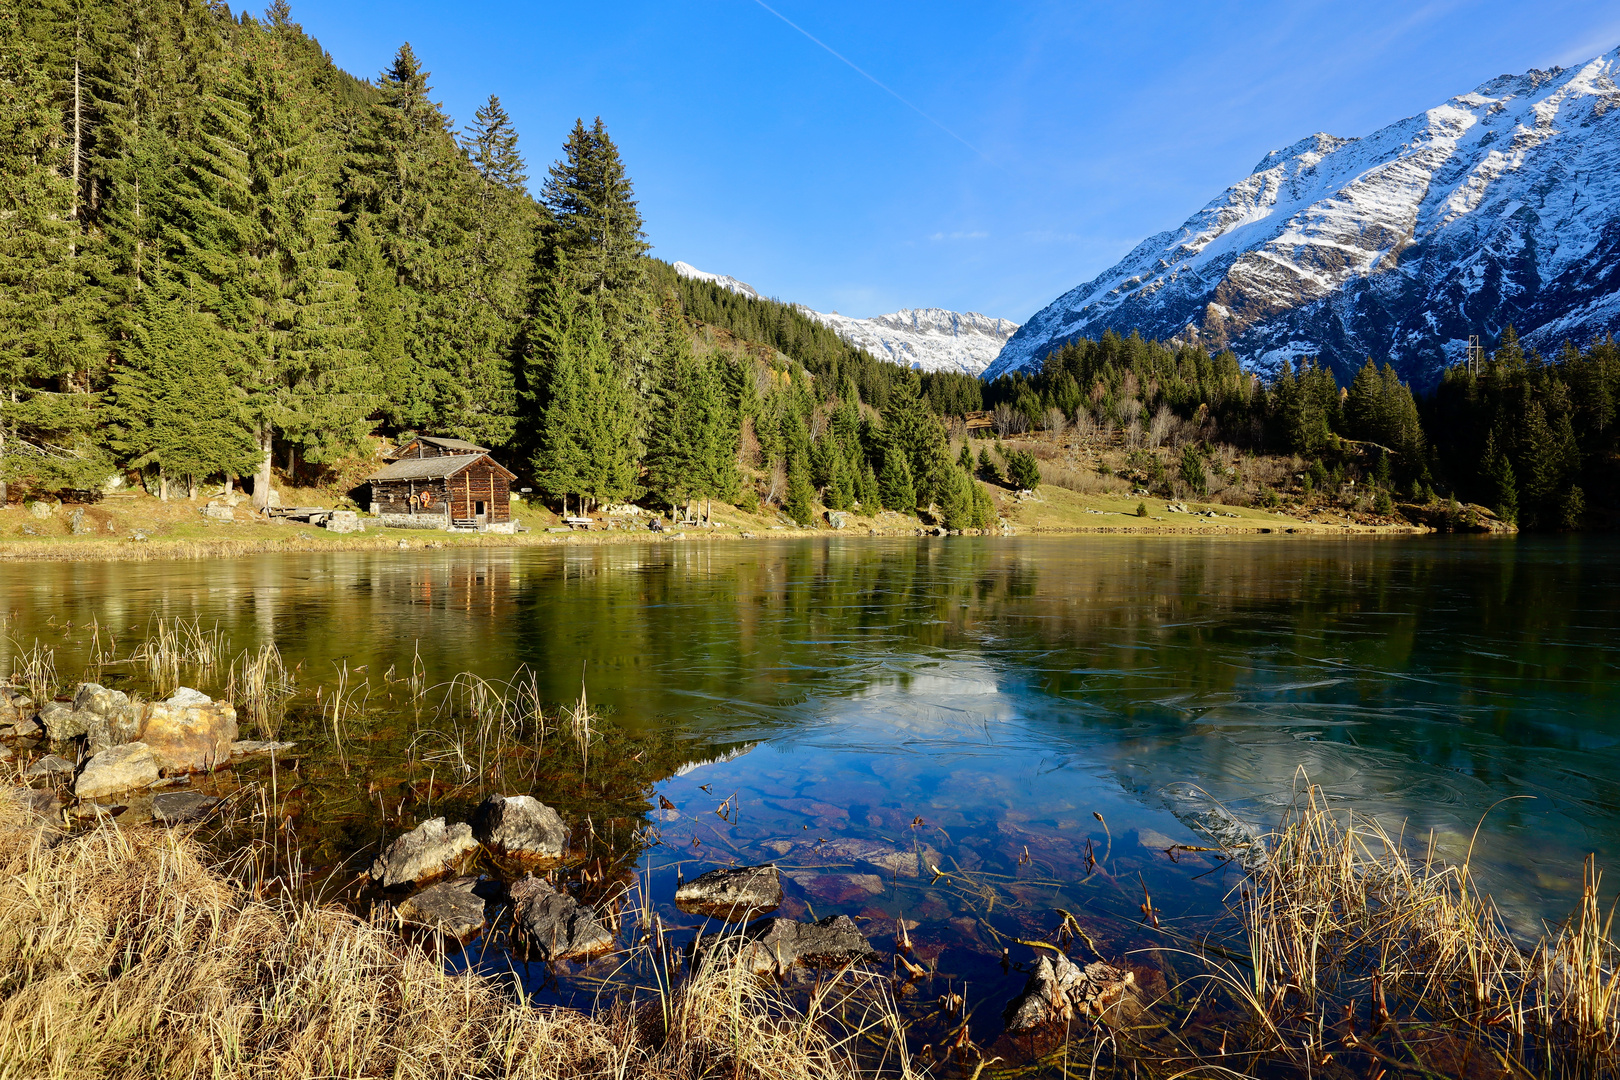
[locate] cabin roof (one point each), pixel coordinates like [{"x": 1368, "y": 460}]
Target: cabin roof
[
  {"x": 453, "y": 446},
  {"x": 433, "y": 468}
]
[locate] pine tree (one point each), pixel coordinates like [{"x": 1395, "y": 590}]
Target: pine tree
[
  {"x": 50, "y": 333},
  {"x": 173, "y": 405},
  {"x": 800, "y": 505},
  {"x": 866, "y": 488},
  {"x": 910, "y": 427},
  {"x": 587, "y": 442},
  {"x": 1498, "y": 473},
  {"x": 675, "y": 432},
  {"x": 896, "y": 485}
]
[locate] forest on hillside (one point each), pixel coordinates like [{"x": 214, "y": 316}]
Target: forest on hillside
[{"x": 221, "y": 255}]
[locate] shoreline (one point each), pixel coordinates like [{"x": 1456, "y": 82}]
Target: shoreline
[{"x": 314, "y": 541}]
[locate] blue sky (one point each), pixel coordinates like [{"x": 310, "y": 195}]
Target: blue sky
[{"x": 1019, "y": 149}]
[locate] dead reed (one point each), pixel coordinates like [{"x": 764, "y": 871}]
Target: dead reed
[
  {"x": 173, "y": 646},
  {"x": 35, "y": 669},
  {"x": 261, "y": 684},
  {"x": 125, "y": 954}
]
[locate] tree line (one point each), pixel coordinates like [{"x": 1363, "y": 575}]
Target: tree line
[
  {"x": 220, "y": 254},
  {"x": 1532, "y": 438}
]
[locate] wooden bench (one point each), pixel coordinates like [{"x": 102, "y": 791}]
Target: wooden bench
[{"x": 578, "y": 522}]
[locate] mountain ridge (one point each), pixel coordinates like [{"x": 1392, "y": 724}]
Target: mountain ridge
[
  {"x": 928, "y": 339},
  {"x": 1498, "y": 206}
]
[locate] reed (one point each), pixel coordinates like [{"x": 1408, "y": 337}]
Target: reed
[
  {"x": 261, "y": 683},
  {"x": 35, "y": 668},
  {"x": 176, "y": 645},
  {"x": 127, "y": 954}
]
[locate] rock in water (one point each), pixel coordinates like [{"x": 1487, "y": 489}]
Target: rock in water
[
  {"x": 774, "y": 945},
  {"x": 185, "y": 697},
  {"x": 188, "y": 736},
  {"x": 554, "y": 926},
  {"x": 182, "y": 807},
  {"x": 116, "y": 769},
  {"x": 738, "y": 893},
  {"x": 428, "y": 851},
  {"x": 520, "y": 826},
  {"x": 450, "y": 908},
  {"x": 1059, "y": 990}
]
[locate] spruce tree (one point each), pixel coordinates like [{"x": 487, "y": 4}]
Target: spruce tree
[
  {"x": 1498, "y": 473},
  {"x": 800, "y": 505},
  {"x": 897, "y": 488},
  {"x": 587, "y": 439}
]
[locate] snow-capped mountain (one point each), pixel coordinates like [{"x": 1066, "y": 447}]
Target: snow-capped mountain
[
  {"x": 931, "y": 339},
  {"x": 1499, "y": 206},
  {"x": 722, "y": 280}
]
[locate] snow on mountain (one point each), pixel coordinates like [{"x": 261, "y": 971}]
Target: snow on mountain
[
  {"x": 722, "y": 280},
  {"x": 931, "y": 339},
  {"x": 1499, "y": 206}
]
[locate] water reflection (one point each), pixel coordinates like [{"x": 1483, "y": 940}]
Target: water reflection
[{"x": 1423, "y": 679}]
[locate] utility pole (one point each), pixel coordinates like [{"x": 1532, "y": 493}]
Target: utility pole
[{"x": 1476, "y": 355}]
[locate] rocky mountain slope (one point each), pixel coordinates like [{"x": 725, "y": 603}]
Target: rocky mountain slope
[
  {"x": 931, "y": 339},
  {"x": 1499, "y": 206}
]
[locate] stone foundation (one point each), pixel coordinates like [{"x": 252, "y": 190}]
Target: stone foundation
[{"x": 413, "y": 521}]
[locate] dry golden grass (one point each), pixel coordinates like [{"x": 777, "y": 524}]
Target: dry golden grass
[{"x": 123, "y": 954}]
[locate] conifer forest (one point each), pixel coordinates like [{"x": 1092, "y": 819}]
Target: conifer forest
[{"x": 220, "y": 254}]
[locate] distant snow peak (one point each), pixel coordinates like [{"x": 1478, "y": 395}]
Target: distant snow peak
[
  {"x": 722, "y": 280},
  {"x": 1499, "y": 206},
  {"x": 930, "y": 339}
]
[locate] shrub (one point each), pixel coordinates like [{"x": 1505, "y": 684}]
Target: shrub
[
  {"x": 1023, "y": 470},
  {"x": 1141, "y": 509}
]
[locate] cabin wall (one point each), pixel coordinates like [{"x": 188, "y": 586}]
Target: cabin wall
[
  {"x": 395, "y": 497},
  {"x": 481, "y": 483}
]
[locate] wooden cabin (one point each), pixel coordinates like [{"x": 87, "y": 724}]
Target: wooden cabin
[{"x": 442, "y": 483}]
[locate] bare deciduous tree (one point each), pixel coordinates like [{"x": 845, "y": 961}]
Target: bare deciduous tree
[
  {"x": 1163, "y": 422},
  {"x": 1057, "y": 421}
]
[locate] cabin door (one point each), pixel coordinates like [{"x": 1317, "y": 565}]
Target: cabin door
[{"x": 480, "y": 513}]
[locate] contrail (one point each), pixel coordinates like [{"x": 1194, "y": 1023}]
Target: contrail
[{"x": 867, "y": 75}]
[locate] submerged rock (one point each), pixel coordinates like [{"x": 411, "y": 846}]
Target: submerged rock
[
  {"x": 49, "y": 765},
  {"x": 117, "y": 769},
  {"x": 886, "y": 857},
  {"x": 451, "y": 908},
  {"x": 246, "y": 748},
  {"x": 774, "y": 945},
  {"x": 1059, "y": 991},
  {"x": 550, "y": 925},
  {"x": 738, "y": 893},
  {"x": 1199, "y": 811},
  {"x": 182, "y": 807},
  {"x": 429, "y": 851},
  {"x": 520, "y": 826}
]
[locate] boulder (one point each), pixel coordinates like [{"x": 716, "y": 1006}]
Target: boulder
[
  {"x": 450, "y": 908},
  {"x": 24, "y": 727},
  {"x": 837, "y": 519},
  {"x": 14, "y": 705},
  {"x": 118, "y": 768},
  {"x": 61, "y": 722},
  {"x": 182, "y": 807},
  {"x": 1059, "y": 990},
  {"x": 41, "y": 510},
  {"x": 520, "y": 826},
  {"x": 552, "y": 926},
  {"x": 185, "y": 697},
  {"x": 215, "y": 512},
  {"x": 105, "y": 717},
  {"x": 738, "y": 893},
  {"x": 344, "y": 521},
  {"x": 774, "y": 945},
  {"x": 187, "y": 736},
  {"x": 426, "y": 852}
]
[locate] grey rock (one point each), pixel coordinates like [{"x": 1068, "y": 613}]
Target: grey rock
[
  {"x": 554, "y": 926},
  {"x": 520, "y": 826},
  {"x": 218, "y": 513},
  {"x": 118, "y": 768},
  {"x": 246, "y": 748},
  {"x": 774, "y": 945},
  {"x": 344, "y": 521},
  {"x": 837, "y": 519},
  {"x": 426, "y": 852},
  {"x": 1059, "y": 990},
  {"x": 76, "y": 523},
  {"x": 24, "y": 727},
  {"x": 883, "y": 856},
  {"x": 14, "y": 705},
  {"x": 182, "y": 807},
  {"x": 49, "y": 765},
  {"x": 450, "y": 908},
  {"x": 61, "y": 722},
  {"x": 41, "y": 510},
  {"x": 185, "y": 697},
  {"x": 737, "y": 893}
]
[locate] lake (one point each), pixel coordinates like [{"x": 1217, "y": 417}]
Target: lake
[{"x": 1037, "y": 717}]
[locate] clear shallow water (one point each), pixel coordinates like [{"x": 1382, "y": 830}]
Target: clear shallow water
[{"x": 1004, "y": 690}]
